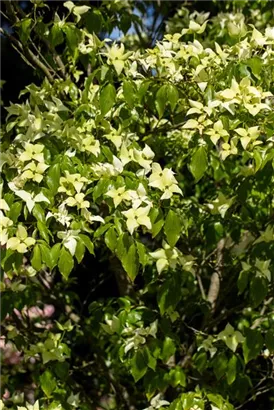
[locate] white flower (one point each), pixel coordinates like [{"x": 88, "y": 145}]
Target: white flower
[
  {"x": 156, "y": 403},
  {"x": 164, "y": 180},
  {"x": 269, "y": 33},
  {"x": 78, "y": 201},
  {"x": 117, "y": 56},
  {"x": 217, "y": 132},
  {"x": 108, "y": 170},
  {"x": 231, "y": 337},
  {"x": 137, "y": 217},
  {"x": 71, "y": 183},
  {"x": 119, "y": 195},
  {"x": 5, "y": 223},
  {"x": 32, "y": 152},
  {"x": 165, "y": 257},
  {"x": 29, "y": 197},
  {"x": 61, "y": 216},
  {"x": 4, "y": 205},
  {"x": 91, "y": 145},
  {"x": 139, "y": 196},
  {"x": 21, "y": 242},
  {"x": 144, "y": 157},
  {"x": 34, "y": 171},
  {"x": 69, "y": 240},
  {"x": 30, "y": 406}
]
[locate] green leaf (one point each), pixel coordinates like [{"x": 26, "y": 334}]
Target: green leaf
[
  {"x": 220, "y": 365},
  {"x": 231, "y": 371},
  {"x": 172, "y": 95},
  {"x": 252, "y": 345},
  {"x": 169, "y": 293},
  {"x": 39, "y": 213},
  {"x": 93, "y": 21},
  {"x": 55, "y": 253},
  {"x": 56, "y": 35},
  {"x": 138, "y": 366},
  {"x": 80, "y": 251},
  {"x": 111, "y": 239},
  {"x": 73, "y": 37},
  {"x": 157, "y": 221},
  {"x": 168, "y": 349},
  {"x": 43, "y": 230},
  {"x": 161, "y": 100},
  {"x": 127, "y": 253},
  {"x": 46, "y": 255},
  {"x": 129, "y": 92},
  {"x": 25, "y": 29},
  {"x": 53, "y": 178},
  {"x": 199, "y": 163},
  {"x": 172, "y": 227},
  {"x": 243, "y": 280},
  {"x": 141, "y": 249},
  {"x": 36, "y": 258},
  {"x": 177, "y": 377},
  {"x": 65, "y": 263},
  {"x": 101, "y": 188},
  {"x": 258, "y": 290},
  {"x": 150, "y": 361},
  {"x": 256, "y": 65},
  {"x": 61, "y": 370},
  {"x": 107, "y": 98},
  {"x": 101, "y": 230},
  {"x": 15, "y": 211},
  {"x": 48, "y": 383},
  {"x": 87, "y": 242}
]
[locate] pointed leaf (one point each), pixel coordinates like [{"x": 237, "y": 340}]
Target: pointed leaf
[
  {"x": 107, "y": 98},
  {"x": 199, "y": 163}
]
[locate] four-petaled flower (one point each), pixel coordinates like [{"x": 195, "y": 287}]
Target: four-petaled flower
[
  {"x": 5, "y": 223},
  {"x": 32, "y": 151},
  {"x": 164, "y": 180},
  {"x": 217, "y": 132},
  {"x": 137, "y": 217},
  {"x": 139, "y": 196},
  {"x": 91, "y": 145},
  {"x": 34, "y": 171},
  {"x": 165, "y": 257},
  {"x": 231, "y": 337},
  {"x": 21, "y": 242},
  {"x": 119, "y": 195},
  {"x": 71, "y": 183},
  {"x": 78, "y": 201},
  {"x": 117, "y": 56}
]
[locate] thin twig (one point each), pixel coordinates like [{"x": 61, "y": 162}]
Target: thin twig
[
  {"x": 258, "y": 393},
  {"x": 28, "y": 53}
]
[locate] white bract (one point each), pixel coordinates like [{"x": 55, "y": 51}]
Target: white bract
[
  {"x": 164, "y": 180},
  {"x": 21, "y": 242},
  {"x": 165, "y": 257},
  {"x": 137, "y": 217}
]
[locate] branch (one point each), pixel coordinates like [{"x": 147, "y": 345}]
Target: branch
[
  {"x": 29, "y": 54},
  {"x": 14, "y": 18},
  {"x": 258, "y": 393},
  {"x": 215, "y": 281},
  {"x": 262, "y": 317}
]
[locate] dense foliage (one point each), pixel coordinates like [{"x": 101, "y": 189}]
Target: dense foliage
[{"x": 137, "y": 203}]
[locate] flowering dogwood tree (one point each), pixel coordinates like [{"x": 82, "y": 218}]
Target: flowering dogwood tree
[{"x": 144, "y": 169}]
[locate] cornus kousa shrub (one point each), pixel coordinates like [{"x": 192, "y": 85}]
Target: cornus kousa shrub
[{"x": 137, "y": 211}]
